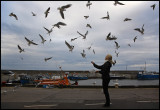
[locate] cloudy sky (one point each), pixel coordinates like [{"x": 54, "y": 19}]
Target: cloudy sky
[{"x": 144, "y": 49}]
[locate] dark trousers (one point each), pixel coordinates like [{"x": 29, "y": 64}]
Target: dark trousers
[{"x": 105, "y": 84}]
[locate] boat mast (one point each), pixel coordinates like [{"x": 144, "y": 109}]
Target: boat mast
[{"x": 145, "y": 67}]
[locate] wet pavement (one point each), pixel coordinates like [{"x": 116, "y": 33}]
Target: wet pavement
[{"x": 78, "y": 98}]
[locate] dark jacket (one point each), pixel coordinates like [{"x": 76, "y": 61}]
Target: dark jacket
[{"x": 105, "y": 69}]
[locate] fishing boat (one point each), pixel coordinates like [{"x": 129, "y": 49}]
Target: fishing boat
[
  {"x": 147, "y": 75},
  {"x": 58, "y": 82}
]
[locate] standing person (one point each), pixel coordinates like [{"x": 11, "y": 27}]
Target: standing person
[{"x": 105, "y": 70}]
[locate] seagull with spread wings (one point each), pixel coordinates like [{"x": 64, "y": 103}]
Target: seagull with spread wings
[
  {"x": 83, "y": 54},
  {"x": 20, "y": 49},
  {"x": 14, "y": 15},
  {"x": 45, "y": 59},
  {"x": 140, "y": 30},
  {"x": 49, "y": 31},
  {"x": 110, "y": 38},
  {"x": 69, "y": 46},
  {"x": 63, "y": 8},
  {"x": 30, "y": 42},
  {"x": 117, "y": 46},
  {"x": 58, "y": 24},
  {"x": 43, "y": 40},
  {"x": 84, "y": 36},
  {"x": 107, "y": 17}
]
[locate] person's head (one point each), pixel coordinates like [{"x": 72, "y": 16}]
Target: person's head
[{"x": 109, "y": 58}]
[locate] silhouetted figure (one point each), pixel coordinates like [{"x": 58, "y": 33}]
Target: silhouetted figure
[{"x": 105, "y": 70}]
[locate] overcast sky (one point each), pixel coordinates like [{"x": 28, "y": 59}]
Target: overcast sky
[{"x": 13, "y": 33}]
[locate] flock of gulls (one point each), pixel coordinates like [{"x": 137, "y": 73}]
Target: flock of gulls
[{"x": 62, "y": 9}]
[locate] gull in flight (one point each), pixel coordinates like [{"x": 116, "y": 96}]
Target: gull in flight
[
  {"x": 63, "y": 8},
  {"x": 140, "y": 30},
  {"x": 127, "y": 19},
  {"x": 46, "y": 12},
  {"x": 47, "y": 59},
  {"x": 58, "y": 24},
  {"x": 110, "y": 38},
  {"x": 20, "y": 49},
  {"x": 153, "y": 6},
  {"x": 135, "y": 38},
  {"x": 83, "y": 54},
  {"x": 49, "y": 31},
  {"x": 117, "y": 46},
  {"x": 89, "y": 47},
  {"x": 69, "y": 46},
  {"x": 93, "y": 51},
  {"x": 88, "y": 4},
  {"x": 33, "y": 14},
  {"x": 86, "y": 17},
  {"x": 84, "y": 36},
  {"x": 88, "y": 25},
  {"x": 43, "y": 40},
  {"x": 107, "y": 17},
  {"x": 116, "y": 53},
  {"x": 74, "y": 38},
  {"x": 129, "y": 45},
  {"x": 30, "y": 42},
  {"x": 117, "y": 2},
  {"x": 14, "y": 15}
]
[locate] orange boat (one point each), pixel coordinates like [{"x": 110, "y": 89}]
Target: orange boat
[{"x": 57, "y": 82}]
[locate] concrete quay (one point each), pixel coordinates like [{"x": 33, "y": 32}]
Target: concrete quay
[{"x": 78, "y": 98}]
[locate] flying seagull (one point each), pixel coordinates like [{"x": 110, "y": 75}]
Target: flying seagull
[
  {"x": 46, "y": 12},
  {"x": 88, "y": 4},
  {"x": 30, "y": 42},
  {"x": 110, "y": 38},
  {"x": 116, "y": 53},
  {"x": 88, "y": 25},
  {"x": 49, "y": 31},
  {"x": 20, "y": 49},
  {"x": 14, "y": 15},
  {"x": 63, "y": 8},
  {"x": 129, "y": 45},
  {"x": 33, "y": 14},
  {"x": 69, "y": 46},
  {"x": 153, "y": 6},
  {"x": 117, "y": 2},
  {"x": 83, "y": 54},
  {"x": 127, "y": 19},
  {"x": 117, "y": 46},
  {"x": 140, "y": 30},
  {"x": 107, "y": 17},
  {"x": 47, "y": 59},
  {"x": 89, "y": 47},
  {"x": 43, "y": 40},
  {"x": 84, "y": 36},
  {"x": 58, "y": 24},
  {"x": 93, "y": 51},
  {"x": 86, "y": 17},
  {"x": 74, "y": 38},
  {"x": 135, "y": 38}
]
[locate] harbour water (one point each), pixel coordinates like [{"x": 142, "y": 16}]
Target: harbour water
[{"x": 123, "y": 82}]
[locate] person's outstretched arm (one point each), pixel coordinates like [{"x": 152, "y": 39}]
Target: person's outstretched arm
[{"x": 96, "y": 66}]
